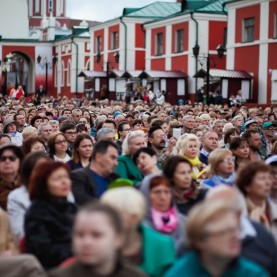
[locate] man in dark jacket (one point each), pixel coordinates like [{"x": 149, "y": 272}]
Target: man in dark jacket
[{"x": 91, "y": 182}]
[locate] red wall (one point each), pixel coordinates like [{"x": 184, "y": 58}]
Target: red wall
[
  {"x": 216, "y": 33},
  {"x": 244, "y": 62},
  {"x": 140, "y": 60},
  {"x": 158, "y": 64},
  {"x": 180, "y": 63},
  {"x": 272, "y": 64},
  {"x": 113, "y": 29},
  {"x": 272, "y": 12},
  {"x": 153, "y": 40},
  {"x": 247, "y": 12},
  {"x": 176, "y": 27},
  {"x": 140, "y": 39}
]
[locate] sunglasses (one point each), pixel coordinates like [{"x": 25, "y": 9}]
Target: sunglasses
[{"x": 10, "y": 158}]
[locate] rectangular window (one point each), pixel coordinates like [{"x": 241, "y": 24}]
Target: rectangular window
[
  {"x": 114, "y": 40},
  {"x": 98, "y": 44},
  {"x": 159, "y": 44},
  {"x": 179, "y": 46},
  {"x": 248, "y": 32}
]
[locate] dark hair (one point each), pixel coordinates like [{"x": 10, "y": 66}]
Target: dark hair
[
  {"x": 157, "y": 181},
  {"x": 34, "y": 119},
  {"x": 38, "y": 183},
  {"x": 113, "y": 216},
  {"x": 77, "y": 142},
  {"x": 5, "y": 136},
  {"x": 101, "y": 147},
  {"x": 236, "y": 143},
  {"x": 152, "y": 130},
  {"x": 15, "y": 149},
  {"x": 81, "y": 127},
  {"x": 120, "y": 126},
  {"x": 137, "y": 121},
  {"x": 228, "y": 134},
  {"x": 64, "y": 110},
  {"x": 157, "y": 122},
  {"x": 247, "y": 173},
  {"x": 171, "y": 165},
  {"x": 247, "y": 134},
  {"x": 29, "y": 142},
  {"x": 51, "y": 142},
  {"x": 110, "y": 121},
  {"x": 146, "y": 150},
  {"x": 67, "y": 125},
  {"x": 28, "y": 164},
  {"x": 49, "y": 114}
]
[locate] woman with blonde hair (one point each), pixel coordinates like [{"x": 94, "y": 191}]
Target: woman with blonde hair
[
  {"x": 126, "y": 167},
  {"x": 188, "y": 146},
  {"x": 213, "y": 232},
  {"x": 221, "y": 168},
  {"x": 153, "y": 252}
]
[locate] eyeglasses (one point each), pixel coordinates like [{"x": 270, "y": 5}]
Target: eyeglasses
[
  {"x": 10, "y": 158},
  {"x": 60, "y": 142},
  {"x": 71, "y": 133},
  {"x": 228, "y": 160},
  {"x": 127, "y": 129}
]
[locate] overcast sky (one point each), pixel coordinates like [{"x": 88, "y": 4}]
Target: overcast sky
[{"x": 102, "y": 10}]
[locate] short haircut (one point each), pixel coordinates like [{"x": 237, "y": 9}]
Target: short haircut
[
  {"x": 236, "y": 143},
  {"x": 67, "y": 125},
  {"x": 153, "y": 129},
  {"x": 248, "y": 134},
  {"x": 113, "y": 216},
  {"x": 120, "y": 126},
  {"x": 29, "y": 142},
  {"x": 36, "y": 117},
  {"x": 147, "y": 150},
  {"x": 101, "y": 132},
  {"x": 110, "y": 121},
  {"x": 5, "y": 136},
  {"x": 38, "y": 184},
  {"x": 158, "y": 122},
  {"x": 42, "y": 125},
  {"x": 247, "y": 173},
  {"x": 102, "y": 147}
]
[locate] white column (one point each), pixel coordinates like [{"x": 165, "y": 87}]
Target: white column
[
  {"x": 230, "y": 62},
  {"x": 91, "y": 52},
  {"x": 131, "y": 33},
  {"x": 263, "y": 56},
  {"x": 106, "y": 46},
  {"x": 168, "y": 43},
  {"x": 148, "y": 50},
  {"x": 59, "y": 68}
]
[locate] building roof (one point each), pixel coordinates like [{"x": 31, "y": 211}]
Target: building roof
[
  {"x": 162, "y": 74},
  {"x": 156, "y": 9},
  {"x": 214, "y": 7},
  {"x": 132, "y": 73},
  {"x": 92, "y": 74},
  {"x": 224, "y": 73}
]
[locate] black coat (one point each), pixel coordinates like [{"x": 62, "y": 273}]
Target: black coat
[
  {"x": 48, "y": 228},
  {"x": 84, "y": 185}
]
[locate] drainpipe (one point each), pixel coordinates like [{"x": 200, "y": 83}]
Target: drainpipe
[
  {"x": 223, "y": 8},
  {"x": 77, "y": 61},
  {"x": 196, "y": 43},
  {"x": 125, "y": 42}
]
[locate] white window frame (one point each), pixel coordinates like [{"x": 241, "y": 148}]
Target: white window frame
[{"x": 62, "y": 73}]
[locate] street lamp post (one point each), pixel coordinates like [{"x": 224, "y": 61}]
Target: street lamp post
[
  {"x": 46, "y": 63},
  {"x": 98, "y": 60},
  {"x": 220, "y": 52}
]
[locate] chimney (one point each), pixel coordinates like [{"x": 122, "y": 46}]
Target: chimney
[{"x": 184, "y": 4}]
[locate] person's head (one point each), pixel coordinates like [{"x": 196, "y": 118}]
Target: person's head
[
  {"x": 189, "y": 146},
  {"x": 178, "y": 171},
  {"x": 109, "y": 123},
  {"x": 251, "y": 125},
  {"x": 29, "y": 164},
  {"x": 253, "y": 138},
  {"x": 9, "y": 126},
  {"x": 50, "y": 179},
  {"x": 57, "y": 143},
  {"x": 76, "y": 114},
  {"x": 157, "y": 138},
  {"x": 230, "y": 135},
  {"x": 146, "y": 160},
  {"x": 33, "y": 144},
  {"x": 4, "y": 138},
  {"x": 44, "y": 131},
  {"x": 137, "y": 124},
  {"x": 272, "y": 162},
  {"x": 54, "y": 125},
  {"x": 214, "y": 230},
  {"x": 36, "y": 121},
  {"x": 68, "y": 128},
  {"x": 10, "y": 159},
  {"x": 160, "y": 194},
  {"x": 82, "y": 147},
  {"x": 238, "y": 121},
  {"x": 106, "y": 134},
  {"x": 20, "y": 119},
  {"x": 268, "y": 130},
  {"x": 210, "y": 141},
  {"x": 217, "y": 126},
  {"x": 129, "y": 202},
  {"x": 97, "y": 235},
  {"x": 133, "y": 141},
  {"x": 240, "y": 148},
  {"x": 221, "y": 162},
  {"x": 104, "y": 156},
  {"x": 254, "y": 180},
  {"x": 205, "y": 119},
  {"x": 188, "y": 122},
  {"x": 81, "y": 128},
  {"x": 123, "y": 128}
]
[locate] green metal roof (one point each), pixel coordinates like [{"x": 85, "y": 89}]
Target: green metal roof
[
  {"x": 127, "y": 11},
  {"x": 215, "y": 7},
  {"x": 196, "y": 4},
  {"x": 156, "y": 9}
]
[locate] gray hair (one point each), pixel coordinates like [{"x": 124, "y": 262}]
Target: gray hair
[
  {"x": 237, "y": 117},
  {"x": 42, "y": 125},
  {"x": 127, "y": 140},
  {"x": 53, "y": 122},
  {"x": 103, "y": 131},
  {"x": 216, "y": 122},
  {"x": 186, "y": 117}
]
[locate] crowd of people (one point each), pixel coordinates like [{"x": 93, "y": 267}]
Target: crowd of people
[{"x": 109, "y": 188}]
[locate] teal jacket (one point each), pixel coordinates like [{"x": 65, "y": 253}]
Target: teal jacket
[
  {"x": 190, "y": 265},
  {"x": 158, "y": 252},
  {"x": 127, "y": 169}
]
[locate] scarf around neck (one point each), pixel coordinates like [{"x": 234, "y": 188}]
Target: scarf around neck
[
  {"x": 165, "y": 222},
  {"x": 219, "y": 180}
]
